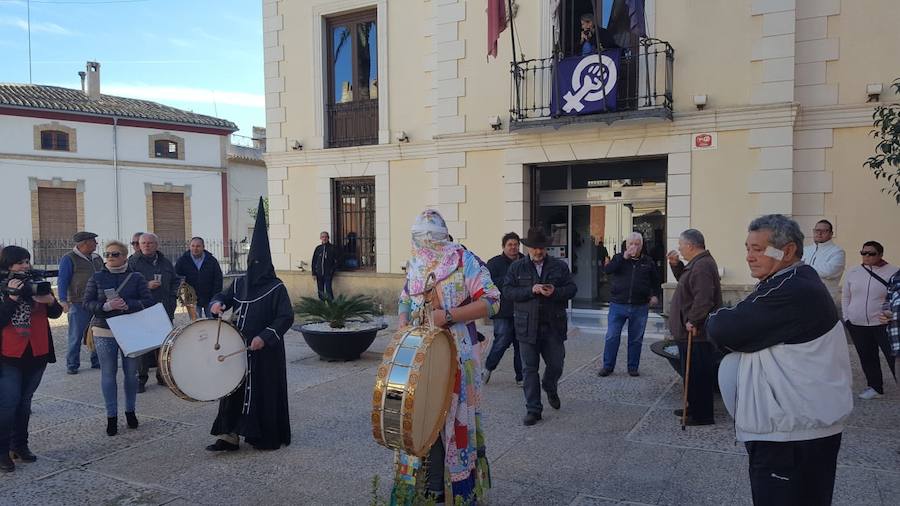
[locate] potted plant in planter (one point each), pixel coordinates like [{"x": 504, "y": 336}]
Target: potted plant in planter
[{"x": 339, "y": 329}]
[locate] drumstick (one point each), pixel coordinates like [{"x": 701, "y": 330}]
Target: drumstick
[
  {"x": 218, "y": 333},
  {"x": 222, "y": 358}
]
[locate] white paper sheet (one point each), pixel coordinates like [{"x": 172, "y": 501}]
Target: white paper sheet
[{"x": 140, "y": 332}]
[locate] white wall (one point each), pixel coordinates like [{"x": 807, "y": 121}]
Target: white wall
[
  {"x": 96, "y": 142},
  {"x": 246, "y": 184}
]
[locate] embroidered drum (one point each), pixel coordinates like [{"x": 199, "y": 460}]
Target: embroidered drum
[
  {"x": 189, "y": 361},
  {"x": 413, "y": 389}
]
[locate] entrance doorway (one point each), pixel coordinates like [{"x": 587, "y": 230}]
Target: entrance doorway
[{"x": 589, "y": 209}]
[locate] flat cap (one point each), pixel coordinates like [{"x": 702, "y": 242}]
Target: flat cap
[{"x": 83, "y": 236}]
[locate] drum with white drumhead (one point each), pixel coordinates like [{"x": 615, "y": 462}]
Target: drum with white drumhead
[{"x": 195, "y": 368}]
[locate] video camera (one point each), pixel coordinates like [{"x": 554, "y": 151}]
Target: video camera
[{"x": 34, "y": 282}]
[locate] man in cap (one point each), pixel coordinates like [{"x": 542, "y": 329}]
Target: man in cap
[
  {"x": 75, "y": 269},
  {"x": 540, "y": 287},
  {"x": 262, "y": 311}
]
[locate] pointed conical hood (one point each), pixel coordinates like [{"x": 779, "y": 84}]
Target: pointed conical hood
[{"x": 260, "y": 270}]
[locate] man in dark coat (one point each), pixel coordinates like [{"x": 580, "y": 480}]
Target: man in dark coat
[
  {"x": 325, "y": 261},
  {"x": 163, "y": 282},
  {"x": 262, "y": 312},
  {"x": 202, "y": 272},
  {"x": 635, "y": 284},
  {"x": 504, "y": 333},
  {"x": 540, "y": 287},
  {"x": 699, "y": 293}
]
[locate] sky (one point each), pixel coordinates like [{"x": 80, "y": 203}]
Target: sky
[{"x": 204, "y": 56}]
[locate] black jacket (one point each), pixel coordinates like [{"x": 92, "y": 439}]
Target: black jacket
[
  {"x": 634, "y": 281},
  {"x": 207, "y": 281},
  {"x": 135, "y": 293},
  {"x": 325, "y": 260},
  {"x": 791, "y": 307},
  {"x": 535, "y": 313},
  {"x": 167, "y": 293},
  {"x": 498, "y": 266}
]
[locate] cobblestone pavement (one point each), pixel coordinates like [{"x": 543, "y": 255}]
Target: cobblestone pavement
[{"x": 614, "y": 441}]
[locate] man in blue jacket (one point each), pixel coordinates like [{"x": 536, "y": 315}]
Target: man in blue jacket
[
  {"x": 504, "y": 333},
  {"x": 635, "y": 283}
]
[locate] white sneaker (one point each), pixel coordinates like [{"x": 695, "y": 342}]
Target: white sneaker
[{"x": 869, "y": 394}]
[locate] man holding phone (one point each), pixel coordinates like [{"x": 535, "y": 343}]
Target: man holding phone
[{"x": 540, "y": 287}]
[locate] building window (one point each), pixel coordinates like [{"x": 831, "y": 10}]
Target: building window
[
  {"x": 354, "y": 221},
  {"x": 54, "y": 140},
  {"x": 352, "y": 102},
  {"x": 57, "y": 218},
  {"x": 165, "y": 149}
]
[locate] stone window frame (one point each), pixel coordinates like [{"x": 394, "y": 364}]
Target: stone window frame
[
  {"x": 57, "y": 127},
  {"x": 35, "y": 183},
  {"x": 166, "y": 136},
  {"x": 150, "y": 189}
]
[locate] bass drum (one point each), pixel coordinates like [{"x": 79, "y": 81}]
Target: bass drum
[
  {"x": 189, "y": 361},
  {"x": 413, "y": 389}
]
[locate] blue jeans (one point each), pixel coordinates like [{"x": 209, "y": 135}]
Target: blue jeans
[
  {"x": 109, "y": 352},
  {"x": 17, "y": 387},
  {"x": 636, "y": 316},
  {"x": 504, "y": 335},
  {"x": 79, "y": 319}
]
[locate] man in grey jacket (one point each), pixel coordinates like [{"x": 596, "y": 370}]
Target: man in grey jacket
[{"x": 787, "y": 379}]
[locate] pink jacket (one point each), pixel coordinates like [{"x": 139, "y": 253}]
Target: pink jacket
[{"x": 862, "y": 295}]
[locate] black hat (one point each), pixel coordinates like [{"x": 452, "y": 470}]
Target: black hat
[
  {"x": 83, "y": 236},
  {"x": 536, "y": 238}
]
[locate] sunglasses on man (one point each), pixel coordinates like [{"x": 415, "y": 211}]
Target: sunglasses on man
[
  {"x": 112, "y": 254},
  {"x": 868, "y": 253}
]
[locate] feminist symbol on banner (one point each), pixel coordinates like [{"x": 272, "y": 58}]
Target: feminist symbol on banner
[{"x": 593, "y": 80}]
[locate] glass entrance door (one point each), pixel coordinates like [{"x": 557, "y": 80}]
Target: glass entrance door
[{"x": 586, "y": 236}]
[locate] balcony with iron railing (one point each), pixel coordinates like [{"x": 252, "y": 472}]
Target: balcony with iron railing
[{"x": 612, "y": 85}]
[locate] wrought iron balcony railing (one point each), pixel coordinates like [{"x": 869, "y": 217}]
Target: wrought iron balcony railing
[{"x": 606, "y": 86}]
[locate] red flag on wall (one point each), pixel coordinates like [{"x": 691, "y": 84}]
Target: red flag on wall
[{"x": 496, "y": 16}]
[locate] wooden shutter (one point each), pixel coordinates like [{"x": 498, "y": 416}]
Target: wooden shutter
[
  {"x": 168, "y": 217},
  {"x": 57, "y": 213}
]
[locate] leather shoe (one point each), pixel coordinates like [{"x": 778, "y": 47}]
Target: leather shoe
[
  {"x": 633, "y": 372},
  {"x": 604, "y": 372},
  {"x": 222, "y": 446},
  {"x": 531, "y": 418},
  {"x": 23, "y": 454},
  {"x": 678, "y": 412},
  {"x": 690, "y": 422},
  {"x": 71, "y": 371},
  {"x": 142, "y": 387},
  {"x": 6, "y": 464},
  {"x": 553, "y": 400}
]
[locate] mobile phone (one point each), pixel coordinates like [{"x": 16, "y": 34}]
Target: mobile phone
[{"x": 110, "y": 293}]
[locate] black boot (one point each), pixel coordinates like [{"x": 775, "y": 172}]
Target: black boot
[
  {"x": 6, "y": 464},
  {"x": 131, "y": 419},
  {"x": 23, "y": 454},
  {"x": 112, "y": 425}
]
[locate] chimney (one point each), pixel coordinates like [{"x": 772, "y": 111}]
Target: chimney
[
  {"x": 93, "y": 80},
  {"x": 259, "y": 138},
  {"x": 82, "y": 75}
]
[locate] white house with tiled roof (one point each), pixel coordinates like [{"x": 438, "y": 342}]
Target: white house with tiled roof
[{"x": 79, "y": 160}]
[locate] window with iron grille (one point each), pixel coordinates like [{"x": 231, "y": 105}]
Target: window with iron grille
[
  {"x": 354, "y": 222},
  {"x": 352, "y": 71},
  {"x": 166, "y": 149},
  {"x": 54, "y": 140}
]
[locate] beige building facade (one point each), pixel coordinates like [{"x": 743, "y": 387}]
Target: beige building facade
[{"x": 727, "y": 110}]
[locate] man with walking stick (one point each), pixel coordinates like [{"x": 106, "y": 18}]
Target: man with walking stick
[{"x": 699, "y": 293}]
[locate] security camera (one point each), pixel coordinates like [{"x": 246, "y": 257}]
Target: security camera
[
  {"x": 297, "y": 146},
  {"x": 873, "y": 90},
  {"x": 402, "y": 137},
  {"x": 495, "y": 122}
]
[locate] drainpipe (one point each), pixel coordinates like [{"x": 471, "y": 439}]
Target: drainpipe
[{"x": 116, "y": 172}]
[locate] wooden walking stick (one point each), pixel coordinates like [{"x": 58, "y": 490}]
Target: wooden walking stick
[{"x": 687, "y": 376}]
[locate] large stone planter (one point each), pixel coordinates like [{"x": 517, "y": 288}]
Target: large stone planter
[{"x": 344, "y": 344}]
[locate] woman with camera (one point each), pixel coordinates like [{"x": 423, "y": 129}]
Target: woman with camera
[
  {"x": 114, "y": 291},
  {"x": 26, "y": 349}
]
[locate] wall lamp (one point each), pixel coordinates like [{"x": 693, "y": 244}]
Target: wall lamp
[
  {"x": 874, "y": 91},
  {"x": 700, "y": 101}
]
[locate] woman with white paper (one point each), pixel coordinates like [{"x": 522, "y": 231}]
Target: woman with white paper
[{"x": 114, "y": 291}]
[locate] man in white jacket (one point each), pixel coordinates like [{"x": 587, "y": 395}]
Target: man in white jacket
[
  {"x": 787, "y": 379},
  {"x": 827, "y": 258}
]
